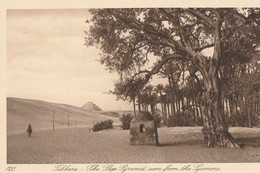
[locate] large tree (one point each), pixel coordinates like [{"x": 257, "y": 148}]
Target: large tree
[{"x": 129, "y": 38}]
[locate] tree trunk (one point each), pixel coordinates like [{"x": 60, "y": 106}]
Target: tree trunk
[
  {"x": 194, "y": 112},
  {"x": 152, "y": 109},
  {"x": 215, "y": 130},
  {"x": 168, "y": 108},
  {"x": 232, "y": 109},
  {"x": 243, "y": 111},
  {"x": 139, "y": 103},
  {"x": 171, "y": 80},
  {"x": 236, "y": 104},
  {"x": 226, "y": 107},
  {"x": 134, "y": 106},
  {"x": 163, "y": 114},
  {"x": 145, "y": 107},
  {"x": 177, "y": 106},
  {"x": 173, "y": 108},
  {"x": 248, "y": 111},
  {"x": 201, "y": 113},
  {"x": 197, "y": 111},
  {"x": 182, "y": 105},
  {"x": 156, "y": 133},
  {"x": 165, "y": 109}
]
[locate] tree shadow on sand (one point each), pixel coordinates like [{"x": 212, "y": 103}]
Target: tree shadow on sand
[
  {"x": 253, "y": 142},
  {"x": 182, "y": 143},
  {"x": 249, "y": 142}
]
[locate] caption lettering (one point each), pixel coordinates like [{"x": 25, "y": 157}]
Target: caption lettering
[{"x": 125, "y": 168}]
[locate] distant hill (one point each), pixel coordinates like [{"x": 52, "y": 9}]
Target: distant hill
[
  {"x": 91, "y": 107},
  {"x": 21, "y": 112},
  {"x": 117, "y": 113},
  {"x": 110, "y": 113}
]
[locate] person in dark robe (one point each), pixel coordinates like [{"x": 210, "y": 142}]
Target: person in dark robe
[{"x": 29, "y": 130}]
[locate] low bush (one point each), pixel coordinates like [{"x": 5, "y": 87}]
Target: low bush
[
  {"x": 199, "y": 121},
  {"x": 174, "y": 121},
  {"x": 184, "y": 119},
  {"x": 108, "y": 124},
  {"x": 240, "y": 120},
  {"x": 126, "y": 120}
]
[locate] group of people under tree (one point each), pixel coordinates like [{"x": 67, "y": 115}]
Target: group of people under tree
[{"x": 130, "y": 38}]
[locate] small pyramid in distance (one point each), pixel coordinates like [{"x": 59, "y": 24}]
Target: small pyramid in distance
[{"x": 91, "y": 107}]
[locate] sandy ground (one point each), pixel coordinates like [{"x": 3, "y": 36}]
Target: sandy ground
[{"x": 78, "y": 145}]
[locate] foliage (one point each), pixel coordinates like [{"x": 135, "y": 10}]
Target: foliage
[
  {"x": 174, "y": 121},
  {"x": 183, "y": 120},
  {"x": 107, "y": 124},
  {"x": 131, "y": 38},
  {"x": 241, "y": 120},
  {"x": 199, "y": 121},
  {"x": 126, "y": 120},
  {"x": 148, "y": 96}
]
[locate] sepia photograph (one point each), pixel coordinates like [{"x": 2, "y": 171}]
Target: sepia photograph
[{"x": 133, "y": 85}]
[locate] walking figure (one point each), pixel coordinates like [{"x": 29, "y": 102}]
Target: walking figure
[{"x": 29, "y": 130}]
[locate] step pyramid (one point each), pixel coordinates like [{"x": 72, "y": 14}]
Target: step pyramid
[{"x": 91, "y": 107}]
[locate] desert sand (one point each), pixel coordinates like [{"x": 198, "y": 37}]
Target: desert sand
[
  {"x": 78, "y": 145},
  {"x": 75, "y": 144}
]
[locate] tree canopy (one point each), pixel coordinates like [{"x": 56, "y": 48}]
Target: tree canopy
[{"x": 129, "y": 38}]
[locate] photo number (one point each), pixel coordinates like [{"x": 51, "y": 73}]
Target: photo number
[{"x": 10, "y": 168}]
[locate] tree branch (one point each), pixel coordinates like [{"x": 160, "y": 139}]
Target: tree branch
[
  {"x": 201, "y": 16},
  {"x": 204, "y": 47},
  {"x": 176, "y": 21},
  {"x": 154, "y": 71},
  {"x": 165, "y": 39}
]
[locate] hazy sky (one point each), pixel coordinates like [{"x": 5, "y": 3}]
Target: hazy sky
[{"x": 47, "y": 60}]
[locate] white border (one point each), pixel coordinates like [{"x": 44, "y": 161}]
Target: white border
[{"x": 79, "y": 4}]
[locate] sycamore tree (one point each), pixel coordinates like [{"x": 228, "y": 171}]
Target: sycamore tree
[{"x": 129, "y": 38}]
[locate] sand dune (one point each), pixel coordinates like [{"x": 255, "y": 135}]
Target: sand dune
[{"x": 21, "y": 112}]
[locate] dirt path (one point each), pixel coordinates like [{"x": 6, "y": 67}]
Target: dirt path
[{"x": 78, "y": 145}]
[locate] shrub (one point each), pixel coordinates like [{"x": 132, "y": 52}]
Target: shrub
[
  {"x": 184, "y": 119},
  {"x": 199, "y": 121},
  {"x": 255, "y": 121},
  {"x": 108, "y": 124},
  {"x": 241, "y": 120},
  {"x": 174, "y": 121},
  {"x": 126, "y": 120}
]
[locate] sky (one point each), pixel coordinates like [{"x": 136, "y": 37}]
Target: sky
[{"x": 47, "y": 60}]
